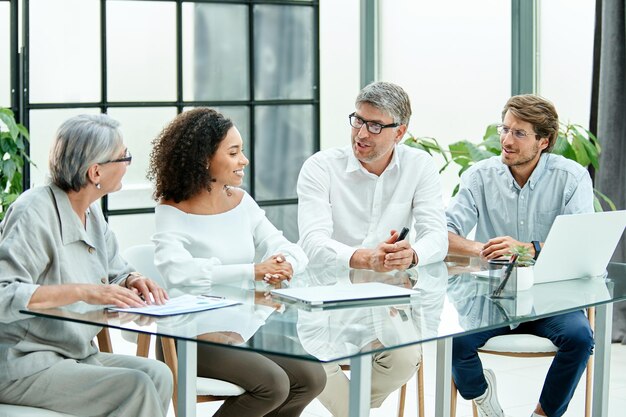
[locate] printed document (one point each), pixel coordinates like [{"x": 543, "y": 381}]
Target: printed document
[{"x": 180, "y": 305}]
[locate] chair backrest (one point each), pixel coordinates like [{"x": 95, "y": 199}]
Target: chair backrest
[{"x": 141, "y": 257}]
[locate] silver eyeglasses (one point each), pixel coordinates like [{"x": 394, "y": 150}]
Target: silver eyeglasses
[
  {"x": 128, "y": 158},
  {"x": 517, "y": 133},
  {"x": 372, "y": 127}
]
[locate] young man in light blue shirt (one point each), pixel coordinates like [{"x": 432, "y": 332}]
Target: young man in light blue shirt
[{"x": 513, "y": 200}]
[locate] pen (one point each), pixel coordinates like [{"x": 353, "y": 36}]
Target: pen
[
  {"x": 212, "y": 297},
  {"x": 507, "y": 274}
]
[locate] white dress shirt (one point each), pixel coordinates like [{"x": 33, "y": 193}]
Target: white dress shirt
[
  {"x": 194, "y": 251},
  {"x": 342, "y": 207}
]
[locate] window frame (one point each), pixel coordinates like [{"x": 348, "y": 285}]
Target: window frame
[{"x": 22, "y": 106}]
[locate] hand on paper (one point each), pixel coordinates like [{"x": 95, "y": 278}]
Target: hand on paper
[{"x": 146, "y": 289}]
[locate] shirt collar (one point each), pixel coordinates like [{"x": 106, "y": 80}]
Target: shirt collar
[
  {"x": 72, "y": 229},
  {"x": 534, "y": 177},
  {"x": 539, "y": 170},
  {"x": 355, "y": 165}
]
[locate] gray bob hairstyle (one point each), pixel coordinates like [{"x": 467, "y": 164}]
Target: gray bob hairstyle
[
  {"x": 389, "y": 98},
  {"x": 80, "y": 142}
]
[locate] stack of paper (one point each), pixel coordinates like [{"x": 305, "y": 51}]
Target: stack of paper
[{"x": 181, "y": 305}]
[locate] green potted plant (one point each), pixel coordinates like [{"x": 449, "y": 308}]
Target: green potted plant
[
  {"x": 574, "y": 142},
  {"x": 523, "y": 270},
  {"x": 13, "y": 137}
]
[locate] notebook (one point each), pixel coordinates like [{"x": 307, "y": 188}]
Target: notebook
[
  {"x": 579, "y": 245},
  {"x": 327, "y": 295}
]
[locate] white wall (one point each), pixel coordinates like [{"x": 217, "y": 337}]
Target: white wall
[
  {"x": 339, "y": 69},
  {"x": 453, "y": 57}
]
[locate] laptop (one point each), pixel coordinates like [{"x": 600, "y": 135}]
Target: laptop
[
  {"x": 579, "y": 245},
  {"x": 342, "y": 294}
]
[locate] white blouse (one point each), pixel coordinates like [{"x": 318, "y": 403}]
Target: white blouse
[{"x": 194, "y": 251}]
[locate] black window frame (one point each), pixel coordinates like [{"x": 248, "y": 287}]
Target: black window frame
[{"x": 21, "y": 105}]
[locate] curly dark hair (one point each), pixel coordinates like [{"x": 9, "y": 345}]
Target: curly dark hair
[{"x": 180, "y": 154}]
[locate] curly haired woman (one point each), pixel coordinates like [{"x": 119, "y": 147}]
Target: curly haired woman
[{"x": 208, "y": 231}]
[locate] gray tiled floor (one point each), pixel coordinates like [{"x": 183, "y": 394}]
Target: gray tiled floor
[{"x": 519, "y": 383}]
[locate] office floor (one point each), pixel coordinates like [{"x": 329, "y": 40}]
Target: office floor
[{"x": 519, "y": 384}]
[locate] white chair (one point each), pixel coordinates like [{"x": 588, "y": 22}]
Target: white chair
[
  {"x": 207, "y": 389},
  {"x": 530, "y": 346}
]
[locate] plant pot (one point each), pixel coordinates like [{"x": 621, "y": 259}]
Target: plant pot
[{"x": 524, "y": 277}]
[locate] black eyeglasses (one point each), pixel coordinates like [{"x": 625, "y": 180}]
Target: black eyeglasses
[
  {"x": 372, "y": 127},
  {"x": 128, "y": 158},
  {"x": 517, "y": 133}
]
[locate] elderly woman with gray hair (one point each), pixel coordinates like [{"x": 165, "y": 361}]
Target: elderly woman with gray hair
[{"x": 56, "y": 249}]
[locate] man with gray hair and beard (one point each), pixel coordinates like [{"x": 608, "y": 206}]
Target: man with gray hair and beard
[{"x": 352, "y": 202}]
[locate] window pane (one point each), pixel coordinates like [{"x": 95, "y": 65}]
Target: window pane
[
  {"x": 283, "y": 52},
  {"x": 64, "y": 51},
  {"x": 5, "y": 64},
  {"x": 566, "y": 56},
  {"x": 285, "y": 218},
  {"x": 457, "y": 71},
  {"x": 132, "y": 229},
  {"x": 139, "y": 127},
  {"x": 141, "y": 50},
  {"x": 215, "y": 52},
  {"x": 284, "y": 139},
  {"x": 43, "y": 127}
]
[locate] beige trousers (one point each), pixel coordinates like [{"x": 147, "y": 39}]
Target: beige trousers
[
  {"x": 123, "y": 386},
  {"x": 390, "y": 370}
]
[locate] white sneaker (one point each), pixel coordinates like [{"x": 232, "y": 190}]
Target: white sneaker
[{"x": 487, "y": 404}]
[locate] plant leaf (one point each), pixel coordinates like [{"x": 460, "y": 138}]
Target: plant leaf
[
  {"x": 599, "y": 195},
  {"x": 562, "y": 147},
  {"x": 8, "y": 169},
  {"x": 6, "y": 117}
]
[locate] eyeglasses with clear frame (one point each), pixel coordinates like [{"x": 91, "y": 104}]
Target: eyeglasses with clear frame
[
  {"x": 372, "y": 127},
  {"x": 517, "y": 133},
  {"x": 128, "y": 158}
]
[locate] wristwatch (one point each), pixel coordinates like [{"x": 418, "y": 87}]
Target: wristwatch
[
  {"x": 129, "y": 276},
  {"x": 537, "y": 247}
]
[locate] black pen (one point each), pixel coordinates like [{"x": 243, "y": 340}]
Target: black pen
[
  {"x": 507, "y": 274},
  {"x": 212, "y": 297},
  {"x": 403, "y": 233}
]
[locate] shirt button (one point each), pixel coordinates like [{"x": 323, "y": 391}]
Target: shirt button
[
  {"x": 103, "y": 280},
  {"x": 91, "y": 249},
  {"x": 522, "y": 197},
  {"x": 522, "y": 222}
]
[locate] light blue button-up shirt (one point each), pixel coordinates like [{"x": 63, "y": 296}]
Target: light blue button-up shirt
[{"x": 490, "y": 199}]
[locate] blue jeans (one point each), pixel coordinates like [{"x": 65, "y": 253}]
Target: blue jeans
[{"x": 569, "y": 332}]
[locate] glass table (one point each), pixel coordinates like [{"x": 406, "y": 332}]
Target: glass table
[{"x": 449, "y": 301}]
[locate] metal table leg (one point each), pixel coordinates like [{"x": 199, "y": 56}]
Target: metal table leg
[
  {"x": 187, "y": 370},
  {"x": 360, "y": 385},
  {"x": 443, "y": 378},
  {"x": 602, "y": 354}
]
